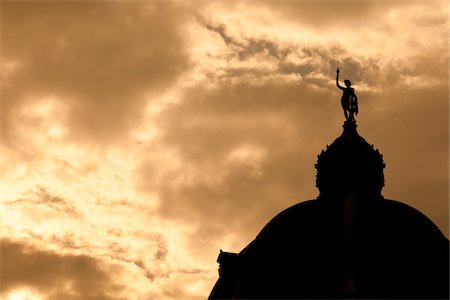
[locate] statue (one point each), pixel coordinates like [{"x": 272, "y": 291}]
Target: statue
[{"x": 349, "y": 101}]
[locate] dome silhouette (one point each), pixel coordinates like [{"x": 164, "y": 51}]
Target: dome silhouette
[
  {"x": 350, "y": 164},
  {"x": 350, "y": 242}
]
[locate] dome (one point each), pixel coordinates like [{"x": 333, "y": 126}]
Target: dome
[
  {"x": 350, "y": 164},
  {"x": 303, "y": 252},
  {"x": 350, "y": 242}
]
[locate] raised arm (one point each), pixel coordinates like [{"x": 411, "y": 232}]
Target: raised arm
[{"x": 337, "y": 80}]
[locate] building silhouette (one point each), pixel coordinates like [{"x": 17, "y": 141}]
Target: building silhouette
[{"x": 349, "y": 243}]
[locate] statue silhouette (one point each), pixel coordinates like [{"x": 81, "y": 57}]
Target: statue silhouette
[{"x": 349, "y": 101}]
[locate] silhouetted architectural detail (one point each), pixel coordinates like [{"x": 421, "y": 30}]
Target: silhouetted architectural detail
[
  {"x": 350, "y": 164},
  {"x": 349, "y": 101},
  {"x": 348, "y": 243},
  {"x": 229, "y": 271}
]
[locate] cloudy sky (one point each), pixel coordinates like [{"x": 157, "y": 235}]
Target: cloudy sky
[{"x": 138, "y": 138}]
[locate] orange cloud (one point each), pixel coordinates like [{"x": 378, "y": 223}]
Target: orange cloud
[{"x": 97, "y": 57}]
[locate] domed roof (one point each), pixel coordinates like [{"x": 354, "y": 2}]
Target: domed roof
[
  {"x": 349, "y": 243},
  {"x": 350, "y": 164},
  {"x": 301, "y": 253}
]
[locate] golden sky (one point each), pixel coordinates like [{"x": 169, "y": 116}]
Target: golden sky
[{"x": 140, "y": 137}]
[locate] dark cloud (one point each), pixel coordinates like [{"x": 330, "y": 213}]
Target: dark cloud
[
  {"x": 55, "y": 275},
  {"x": 97, "y": 57}
]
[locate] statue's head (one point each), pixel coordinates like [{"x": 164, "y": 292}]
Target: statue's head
[{"x": 347, "y": 83}]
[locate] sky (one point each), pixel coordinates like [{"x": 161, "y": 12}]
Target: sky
[{"x": 138, "y": 138}]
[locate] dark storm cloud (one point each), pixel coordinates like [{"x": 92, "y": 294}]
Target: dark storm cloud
[
  {"x": 57, "y": 276},
  {"x": 98, "y": 57}
]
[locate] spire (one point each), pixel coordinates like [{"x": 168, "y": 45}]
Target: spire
[{"x": 350, "y": 165}]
